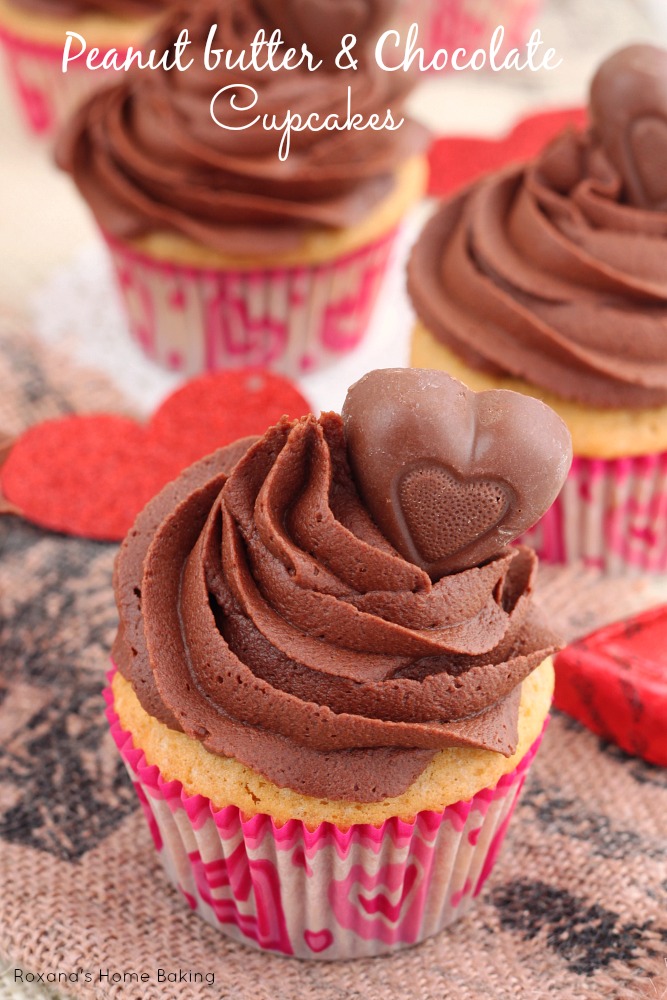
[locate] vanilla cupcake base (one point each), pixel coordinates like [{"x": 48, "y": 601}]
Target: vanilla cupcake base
[
  {"x": 291, "y": 320},
  {"x": 368, "y": 879},
  {"x": 596, "y": 433},
  {"x": 612, "y": 511}
]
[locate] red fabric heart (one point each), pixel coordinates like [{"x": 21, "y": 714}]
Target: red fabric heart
[
  {"x": 458, "y": 160},
  {"x": 90, "y": 475}
]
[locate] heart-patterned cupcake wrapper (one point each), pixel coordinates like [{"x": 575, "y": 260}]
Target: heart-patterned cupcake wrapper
[
  {"x": 325, "y": 893},
  {"x": 289, "y": 319},
  {"x": 611, "y": 514},
  {"x": 469, "y": 24},
  {"x": 45, "y": 94}
]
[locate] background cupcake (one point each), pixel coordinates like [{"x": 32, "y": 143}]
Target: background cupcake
[
  {"x": 469, "y": 24},
  {"x": 33, "y": 34},
  {"x": 328, "y": 737},
  {"x": 551, "y": 279},
  {"x": 227, "y": 255}
]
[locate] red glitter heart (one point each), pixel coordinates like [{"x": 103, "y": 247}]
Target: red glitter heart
[
  {"x": 615, "y": 682},
  {"x": 90, "y": 475},
  {"x": 458, "y": 160}
]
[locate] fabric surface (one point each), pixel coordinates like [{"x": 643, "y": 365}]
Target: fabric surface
[{"x": 576, "y": 907}]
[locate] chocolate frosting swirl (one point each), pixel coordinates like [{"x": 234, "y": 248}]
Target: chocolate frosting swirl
[
  {"x": 263, "y": 613},
  {"x": 552, "y": 271},
  {"x": 148, "y": 156},
  {"x": 109, "y": 8}
]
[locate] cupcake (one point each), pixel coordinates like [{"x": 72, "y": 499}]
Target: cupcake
[
  {"x": 469, "y": 24},
  {"x": 33, "y": 34},
  {"x": 330, "y": 678},
  {"x": 226, "y": 254},
  {"x": 550, "y": 278}
]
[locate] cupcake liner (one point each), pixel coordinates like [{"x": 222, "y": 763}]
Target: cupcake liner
[
  {"x": 45, "y": 94},
  {"x": 290, "y": 319},
  {"x": 469, "y": 24},
  {"x": 611, "y": 515},
  {"x": 325, "y": 893}
]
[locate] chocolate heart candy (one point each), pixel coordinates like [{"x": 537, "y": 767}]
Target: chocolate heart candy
[
  {"x": 628, "y": 106},
  {"x": 449, "y": 475}
]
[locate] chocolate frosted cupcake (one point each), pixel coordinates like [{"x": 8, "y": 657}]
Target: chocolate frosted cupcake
[
  {"x": 550, "y": 278},
  {"x": 331, "y": 675},
  {"x": 469, "y": 24},
  {"x": 33, "y": 33},
  {"x": 227, "y": 255}
]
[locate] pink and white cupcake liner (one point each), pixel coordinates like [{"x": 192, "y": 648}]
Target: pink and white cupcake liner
[
  {"x": 292, "y": 319},
  {"x": 325, "y": 893},
  {"x": 611, "y": 514},
  {"x": 469, "y": 24},
  {"x": 46, "y": 95}
]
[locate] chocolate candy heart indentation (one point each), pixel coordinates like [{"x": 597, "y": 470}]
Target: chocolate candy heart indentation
[
  {"x": 451, "y": 476},
  {"x": 648, "y": 143},
  {"x": 444, "y": 514}
]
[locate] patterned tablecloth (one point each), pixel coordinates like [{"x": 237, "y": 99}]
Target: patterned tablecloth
[{"x": 577, "y": 907}]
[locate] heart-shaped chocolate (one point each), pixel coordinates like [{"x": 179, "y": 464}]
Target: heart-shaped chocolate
[
  {"x": 449, "y": 475},
  {"x": 445, "y": 514},
  {"x": 628, "y": 107}
]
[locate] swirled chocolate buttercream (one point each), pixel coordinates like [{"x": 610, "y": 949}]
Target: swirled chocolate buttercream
[
  {"x": 264, "y": 613},
  {"x": 76, "y": 8},
  {"x": 150, "y": 154},
  {"x": 556, "y": 271}
]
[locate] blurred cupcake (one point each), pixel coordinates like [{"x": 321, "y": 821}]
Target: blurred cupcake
[
  {"x": 551, "y": 279},
  {"x": 227, "y": 255},
  {"x": 331, "y": 677},
  {"x": 33, "y": 34},
  {"x": 468, "y": 24}
]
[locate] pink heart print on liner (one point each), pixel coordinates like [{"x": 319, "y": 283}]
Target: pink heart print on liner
[
  {"x": 451, "y": 475},
  {"x": 318, "y": 941},
  {"x": 32, "y": 69},
  {"x": 45, "y": 94},
  {"x": 292, "y": 319},
  {"x": 241, "y": 877},
  {"x": 450, "y": 24},
  {"x": 324, "y": 893}
]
